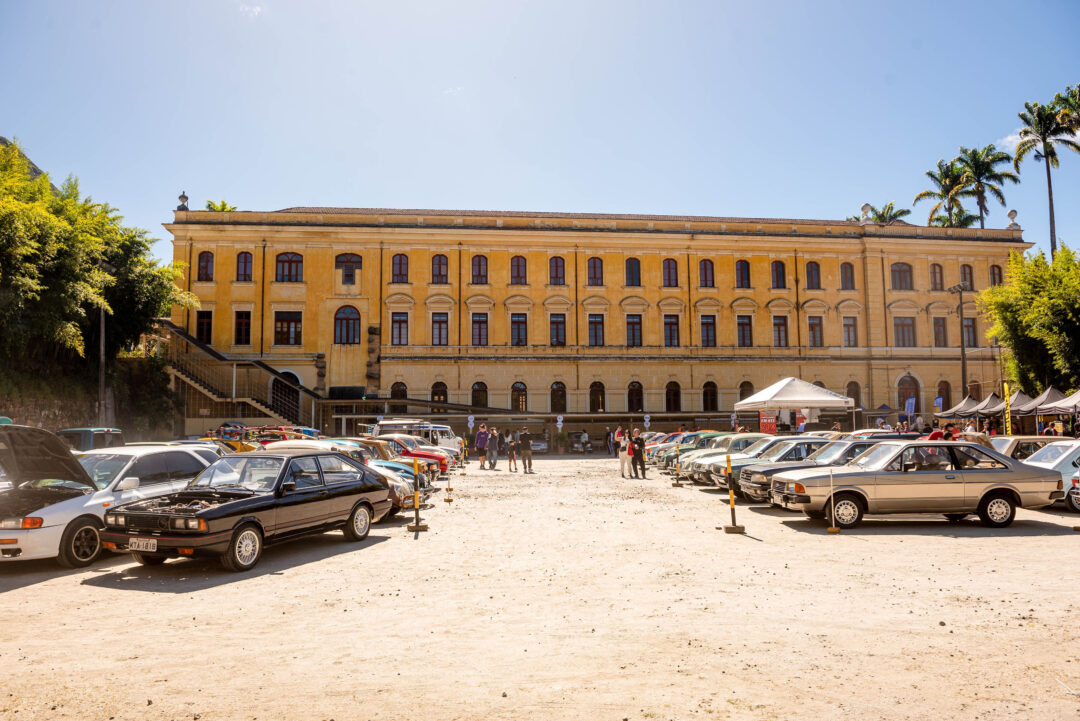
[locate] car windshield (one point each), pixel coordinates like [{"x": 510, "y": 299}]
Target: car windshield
[
  {"x": 757, "y": 446},
  {"x": 774, "y": 452},
  {"x": 1050, "y": 454},
  {"x": 1000, "y": 443},
  {"x": 406, "y": 441},
  {"x": 103, "y": 467},
  {"x": 876, "y": 456},
  {"x": 829, "y": 452},
  {"x": 252, "y": 473}
]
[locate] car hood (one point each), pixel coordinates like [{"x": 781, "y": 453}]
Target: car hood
[
  {"x": 19, "y": 502},
  {"x": 188, "y": 501},
  {"x": 33, "y": 454},
  {"x": 780, "y": 466},
  {"x": 821, "y": 472}
]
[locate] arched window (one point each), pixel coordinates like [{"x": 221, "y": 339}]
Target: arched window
[
  {"x": 398, "y": 391},
  {"x": 595, "y": 268},
  {"x": 635, "y": 398},
  {"x": 975, "y": 390},
  {"x": 440, "y": 269},
  {"x": 944, "y": 391},
  {"x": 907, "y": 387},
  {"x": 206, "y": 266},
  {"x": 518, "y": 275},
  {"x": 967, "y": 277},
  {"x": 671, "y": 273},
  {"x": 742, "y": 274},
  {"x": 348, "y": 264},
  {"x": 672, "y": 397},
  {"x": 746, "y": 389},
  {"x": 901, "y": 276},
  {"x": 847, "y": 276},
  {"x": 439, "y": 395},
  {"x": 558, "y": 397},
  {"x": 479, "y": 269},
  {"x": 399, "y": 269},
  {"x": 519, "y": 397},
  {"x": 596, "y": 397},
  {"x": 290, "y": 268},
  {"x": 557, "y": 271},
  {"x": 819, "y": 384},
  {"x": 937, "y": 277},
  {"x": 633, "y": 272},
  {"x": 854, "y": 392},
  {"x": 347, "y": 326},
  {"x": 243, "y": 267},
  {"x": 995, "y": 275},
  {"x": 479, "y": 394},
  {"x": 779, "y": 274},
  {"x": 706, "y": 277},
  {"x": 710, "y": 398},
  {"x": 813, "y": 275}
]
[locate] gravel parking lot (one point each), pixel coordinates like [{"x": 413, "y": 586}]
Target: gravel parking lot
[{"x": 570, "y": 594}]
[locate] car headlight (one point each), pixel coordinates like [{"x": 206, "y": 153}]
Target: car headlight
[
  {"x": 179, "y": 523},
  {"x": 20, "y": 523},
  {"x": 757, "y": 478},
  {"x": 194, "y": 524}
]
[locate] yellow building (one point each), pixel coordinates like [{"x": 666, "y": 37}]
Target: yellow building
[{"x": 570, "y": 312}]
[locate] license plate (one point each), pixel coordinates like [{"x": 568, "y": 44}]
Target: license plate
[{"x": 142, "y": 544}]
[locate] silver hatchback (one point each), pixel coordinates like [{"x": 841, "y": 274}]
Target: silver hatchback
[{"x": 954, "y": 479}]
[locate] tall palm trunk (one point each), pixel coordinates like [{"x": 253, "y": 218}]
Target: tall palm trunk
[
  {"x": 982, "y": 211},
  {"x": 1050, "y": 196}
]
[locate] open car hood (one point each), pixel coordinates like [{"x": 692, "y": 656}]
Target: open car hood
[{"x": 33, "y": 454}]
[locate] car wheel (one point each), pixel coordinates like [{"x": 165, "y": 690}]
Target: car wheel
[
  {"x": 81, "y": 543},
  {"x": 956, "y": 517},
  {"x": 359, "y": 524},
  {"x": 845, "y": 510},
  {"x": 245, "y": 548},
  {"x": 997, "y": 510},
  {"x": 1072, "y": 502},
  {"x": 145, "y": 560}
]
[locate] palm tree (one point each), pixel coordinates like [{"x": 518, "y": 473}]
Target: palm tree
[
  {"x": 981, "y": 176},
  {"x": 886, "y": 215},
  {"x": 1043, "y": 131},
  {"x": 948, "y": 184},
  {"x": 1068, "y": 106},
  {"x": 220, "y": 206},
  {"x": 960, "y": 219}
]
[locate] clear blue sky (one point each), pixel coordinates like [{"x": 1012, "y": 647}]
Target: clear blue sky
[{"x": 785, "y": 109}]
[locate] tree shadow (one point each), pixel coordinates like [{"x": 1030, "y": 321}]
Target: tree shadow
[{"x": 196, "y": 574}]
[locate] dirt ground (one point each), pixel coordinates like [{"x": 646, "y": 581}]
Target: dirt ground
[{"x": 570, "y": 594}]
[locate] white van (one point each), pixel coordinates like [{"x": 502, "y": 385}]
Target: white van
[{"x": 434, "y": 433}]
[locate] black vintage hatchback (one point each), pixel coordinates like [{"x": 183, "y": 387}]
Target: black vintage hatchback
[{"x": 244, "y": 501}]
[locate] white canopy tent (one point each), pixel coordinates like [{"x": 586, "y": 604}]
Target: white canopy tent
[{"x": 796, "y": 394}]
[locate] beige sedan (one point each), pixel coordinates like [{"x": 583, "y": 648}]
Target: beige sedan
[{"x": 947, "y": 477}]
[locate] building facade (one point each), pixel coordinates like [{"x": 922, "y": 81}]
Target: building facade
[{"x": 578, "y": 313}]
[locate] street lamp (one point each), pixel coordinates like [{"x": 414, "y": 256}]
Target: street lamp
[
  {"x": 110, "y": 269},
  {"x": 959, "y": 289}
]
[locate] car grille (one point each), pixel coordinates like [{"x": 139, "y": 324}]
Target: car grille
[
  {"x": 745, "y": 475},
  {"x": 146, "y": 522},
  {"x": 778, "y": 486}
]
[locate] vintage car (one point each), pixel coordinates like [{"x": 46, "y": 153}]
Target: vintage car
[
  {"x": 1061, "y": 458},
  {"x": 406, "y": 445},
  {"x": 86, "y": 439},
  {"x": 52, "y": 503},
  {"x": 772, "y": 448},
  {"x": 247, "y": 500},
  {"x": 947, "y": 477},
  {"x": 697, "y": 469},
  {"x": 666, "y": 460},
  {"x": 755, "y": 480},
  {"x": 1019, "y": 447},
  {"x": 790, "y": 448}
]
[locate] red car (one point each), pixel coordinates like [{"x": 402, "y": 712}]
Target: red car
[{"x": 409, "y": 447}]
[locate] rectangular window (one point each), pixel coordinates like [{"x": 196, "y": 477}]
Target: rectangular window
[
  {"x": 816, "y": 336},
  {"x": 399, "y": 329},
  {"x": 708, "y": 331},
  {"x": 519, "y": 333},
  {"x": 671, "y": 331},
  {"x": 558, "y": 329},
  {"x": 941, "y": 333},
  {"x": 440, "y": 329},
  {"x": 596, "y": 329},
  {"x": 287, "y": 327},
  {"x": 479, "y": 329},
  {"x": 745, "y": 326},
  {"x": 242, "y": 327},
  {"x": 971, "y": 338},
  {"x": 851, "y": 332},
  {"x": 204, "y": 326},
  {"x": 779, "y": 331},
  {"x": 633, "y": 329},
  {"x": 904, "y": 332}
]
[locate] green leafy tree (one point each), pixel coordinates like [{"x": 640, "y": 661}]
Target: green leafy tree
[
  {"x": 947, "y": 182},
  {"x": 1068, "y": 107},
  {"x": 885, "y": 215},
  {"x": 1033, "y": 315},
  {"x": 220, "y": 206},
  {"x": 960, "y": 219},
  {"x": 981, "y": 176},
  {"x": 1042, "y": 133}
]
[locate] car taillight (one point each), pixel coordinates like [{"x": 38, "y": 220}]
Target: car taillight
[
  {"x": 800, "y": 488},
  {"x": 1060, "y": 486}
]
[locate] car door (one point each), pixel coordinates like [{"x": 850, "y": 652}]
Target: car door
[
  {"x": 981, "y": 472},
  {"x": 920, "y": 479},
  {"x": 304, "y": 508},
  {"x": 343, "y": 485},
  {"x": 183, "y": 467}
]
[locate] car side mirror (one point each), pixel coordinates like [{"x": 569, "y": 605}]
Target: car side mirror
[
  {"x": 128, "y": 484},
  {"x": 288, "y": 486}
]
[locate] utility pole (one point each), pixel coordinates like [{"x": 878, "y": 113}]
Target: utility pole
[
  {"x": 108, "y": 268},
  {"x": 959, "y": 289}
]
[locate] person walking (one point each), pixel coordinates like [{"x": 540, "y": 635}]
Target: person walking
[
  {"x": 494, "y": 443},
  {"x": 525, "y": 449},
  {"x": 608, "y": 439},
  {"x": 585, "y": 441},
  {"x": 638, "y": 444},
  {"x": 511, "y": 449},
  {"x": 481, "y": 442},
  {"x": 624, "y": 453}
]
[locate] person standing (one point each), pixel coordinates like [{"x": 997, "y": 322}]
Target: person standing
[
  {"x": 525, "y": 448},
  {"x": 624, "y": 453},
  {"x": 584, "y": 441},
  {"x": 481, "y": 445},
  {"x": 638, "y": 461},
  {"x": 494, "y": 441},
  {"x": 608, "y": 439},
  {"x": 511, "y": 449}
]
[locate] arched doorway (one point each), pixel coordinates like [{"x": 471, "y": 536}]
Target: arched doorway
[
  {"x": 596, "y": 397},
  {"x": 672, "y": 397},
  {"x": 398, "y": 391},
  {"x": 907, "y": 387},
  {"x": 479, "y": 394},
  {"x": 558, "y": 397},
  {"x": 519, "y": 397},
  {"x": 438, "y": 395},
  {"x": 285, "y": 395},
  {"x": 710, "y": 398},
  {"x": 854, "y": 392},
  {"x": 635, "y": 397},
  {"x": 944, "y": 391},
  {"x": 975, "y": 390},
  {"x": 746, "y": 389}
]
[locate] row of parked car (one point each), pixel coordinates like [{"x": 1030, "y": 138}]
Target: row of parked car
[
  {"x": 840, "y": 477},
  {"x": 201, "y": 497}
]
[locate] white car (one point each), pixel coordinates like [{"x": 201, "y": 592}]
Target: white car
[
  {"x": 55, "y": 502},
  {"x": 1063, "y": 457}
]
